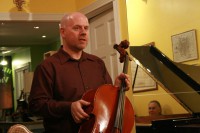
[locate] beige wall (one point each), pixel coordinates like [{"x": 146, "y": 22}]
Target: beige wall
[{"x": 157, "y": 21}]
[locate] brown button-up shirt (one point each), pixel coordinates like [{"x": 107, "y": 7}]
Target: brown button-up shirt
[{"x": 60, "y": 80}]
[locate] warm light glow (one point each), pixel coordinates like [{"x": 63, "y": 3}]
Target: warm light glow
[
  {"x": 43, "y": 36},
  {"x": 36, "y": 27},
  {"x": 137, "y": 62},
  {"x": 3, "y": 62},
  {"x": 5, "y": 52},
  {"x": 149, "y": 70}
]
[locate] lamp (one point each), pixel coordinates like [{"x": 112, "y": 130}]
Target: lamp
[
  {"x": 19, "y": 4},
  {"x": 3, "y": 62}
]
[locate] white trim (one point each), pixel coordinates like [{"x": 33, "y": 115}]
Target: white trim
[
  {"x": 94, "y": 6},
  {"x": 22, "y": 66},
  {"x": 31, "y": 16},
  {"x": 117, "y": 21},
  {"x": 98, "y": 7},
  {"x": 117, "y": 29}
]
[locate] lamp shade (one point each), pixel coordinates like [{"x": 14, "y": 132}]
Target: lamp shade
[{"x": 5, "y": 96}]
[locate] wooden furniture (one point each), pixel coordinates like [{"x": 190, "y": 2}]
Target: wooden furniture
[
  {"x": 149, "y": 119},
  {"x": 167, "y": 124},
  {"x": 33, "y": 126},
  {"x": 180, "y": 80},
  {"x": 19, "y": 128}
]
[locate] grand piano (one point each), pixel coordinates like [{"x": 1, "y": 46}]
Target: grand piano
[{"x": 181, "y": 80}]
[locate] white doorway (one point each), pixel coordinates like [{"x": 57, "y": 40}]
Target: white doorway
[
  {"x": 104, "y": 33},
  {"x": 19, "y": 78},
  {"x": 102, "y": 39}
]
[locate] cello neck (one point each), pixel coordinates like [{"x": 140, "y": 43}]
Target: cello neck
[
  {"x": 126, "y": 62},
  {"x": 121, "y": 97},
  {"x": 125, "y": 71}
]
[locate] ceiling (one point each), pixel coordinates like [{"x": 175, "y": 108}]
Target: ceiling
[{"x": 15, "y": 35}]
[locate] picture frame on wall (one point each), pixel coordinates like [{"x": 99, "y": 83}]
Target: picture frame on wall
[
  {"x": 184, "y": 46},
  {"x": 143, "y": 82}
]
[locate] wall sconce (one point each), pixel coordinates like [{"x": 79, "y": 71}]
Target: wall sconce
[{"x": 19, "y": 4}]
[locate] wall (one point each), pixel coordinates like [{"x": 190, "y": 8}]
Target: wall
[
  {"x": 82, "y": 3},
  {"x": 150, "y": 20},
  {"x": 39, "y": 6},
  {"x": 37, "y": 54}
]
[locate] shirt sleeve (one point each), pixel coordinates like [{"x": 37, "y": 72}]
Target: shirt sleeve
[{"x": 41, "y": 100}]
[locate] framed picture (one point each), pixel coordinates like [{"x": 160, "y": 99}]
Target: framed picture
[
  {"x": 143, "y": 82},
  {"x": 184, "y": 46}
]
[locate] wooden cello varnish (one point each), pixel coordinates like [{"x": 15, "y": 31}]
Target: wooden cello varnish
[{"x": 110, "y": 110}]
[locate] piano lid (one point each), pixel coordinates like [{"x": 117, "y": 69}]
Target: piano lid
[{"x": 179, "y": 79}]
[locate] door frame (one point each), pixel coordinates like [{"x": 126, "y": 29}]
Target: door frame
[
  {"x": 99, "y": 7},
  {"x": 21, "y": 68}
]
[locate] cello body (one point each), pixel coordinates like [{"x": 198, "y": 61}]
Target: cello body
[
  {"x": 102, "y": 111},
  {"x": 110, "y": 110}
]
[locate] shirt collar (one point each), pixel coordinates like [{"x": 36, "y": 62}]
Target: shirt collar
[{"x": 64, "y": 56}]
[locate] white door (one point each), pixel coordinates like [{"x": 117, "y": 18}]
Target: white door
[
  {"x": 102, "y": 39},
  {"x": 19, "y": 78}
]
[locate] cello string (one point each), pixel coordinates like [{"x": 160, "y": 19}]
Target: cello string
[
  {"x": 119, "y": 107},
  {"x": 121, "y": 102},
  {"x": 123, "y": 106},
  {"x": 120, "y": 110},
  {"x": 151, "y": 94}
]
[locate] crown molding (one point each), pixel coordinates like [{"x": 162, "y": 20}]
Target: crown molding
[
  {"x": 97, "y": 7},
  {"x": 30, "y": 16}
]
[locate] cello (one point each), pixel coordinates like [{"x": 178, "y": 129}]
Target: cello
[{"x": 110, "y": 110}]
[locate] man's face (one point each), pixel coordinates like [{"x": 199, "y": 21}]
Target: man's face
[
  {"x": 75, "y": 33},
  {"x": 154, "y": 109}
]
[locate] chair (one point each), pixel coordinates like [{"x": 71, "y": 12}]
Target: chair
[{"x": 18, "y": 128}]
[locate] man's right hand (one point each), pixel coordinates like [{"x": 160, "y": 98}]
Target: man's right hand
[{"x": 77, "y": 110}]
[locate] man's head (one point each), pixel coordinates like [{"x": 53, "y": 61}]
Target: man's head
[
  {"x": 154, "y": 108},
  {"x": 74, "y": 31}
]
